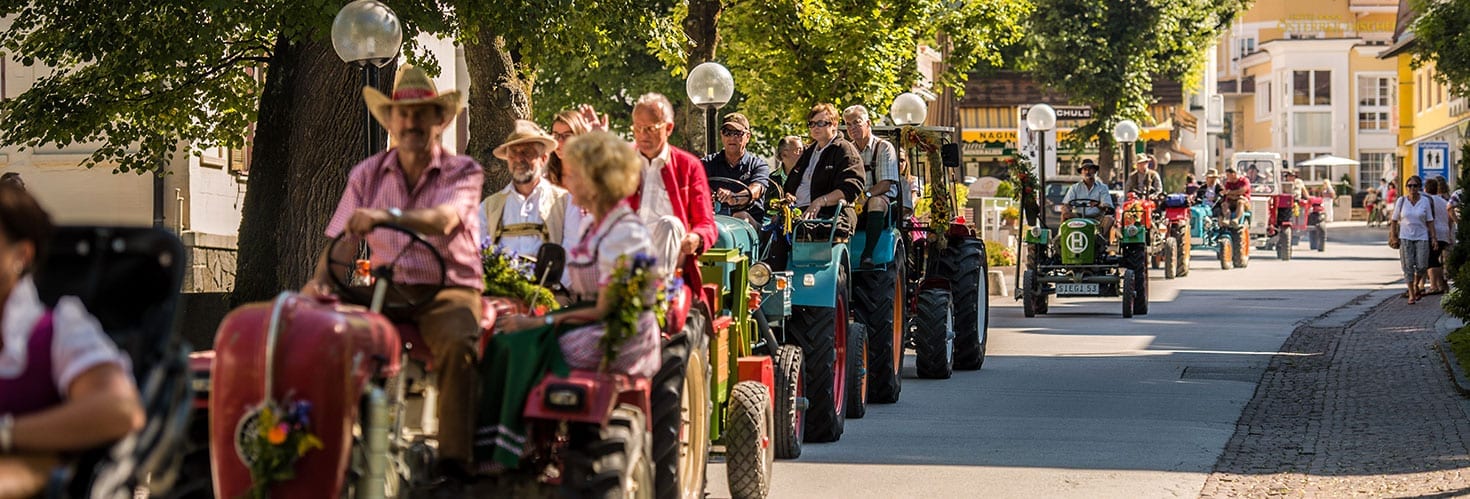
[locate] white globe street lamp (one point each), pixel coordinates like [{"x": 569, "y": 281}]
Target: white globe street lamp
[
  {"x": 1126, "y": 133},
  {"x": 710, "y": 87},
  {"x": 1041, "y": 118},
  {"x": 367, "y": 32},
  {"x": 908, "y": 109}
]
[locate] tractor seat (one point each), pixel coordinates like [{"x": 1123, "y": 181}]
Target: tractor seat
[{"x": 490, "y": 309}]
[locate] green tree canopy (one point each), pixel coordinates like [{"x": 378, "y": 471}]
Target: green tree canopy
[{"x": 1440, "y": 39}]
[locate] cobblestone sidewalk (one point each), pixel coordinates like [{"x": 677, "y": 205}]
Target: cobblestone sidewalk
[{"x": 1364, "y": 409}]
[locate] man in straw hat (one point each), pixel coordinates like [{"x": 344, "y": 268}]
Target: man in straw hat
[
  {"x": 419, "y": 185},
  {"x": 1090, "y": 189},
  {"x": 531, "y": 210},
  {"x": 1144, "y": 181}
]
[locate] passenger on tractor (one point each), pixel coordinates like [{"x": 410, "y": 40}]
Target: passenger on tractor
[
  {"x": 600, "y": 171},
  {"x": 1236, "y": 195},
  {"x": 1209, "y": 191},
  {"x": 1144, "y": 181},
  {"x": 1293, "y": 185},
  {"x": 1089, "y": 188},
  {"x": 64, "y": 386},
  {"x": 829, "y": 171},
  {"x": 421, "y": 186},
  {"x": 880, "y": 161},
  {"x": 735, "y": 162},
  {"x": 673, "y": 198},
  {"x": 530, "y": 211}
]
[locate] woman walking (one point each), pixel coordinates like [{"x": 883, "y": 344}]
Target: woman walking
[{"x": 1414, "y": 213}]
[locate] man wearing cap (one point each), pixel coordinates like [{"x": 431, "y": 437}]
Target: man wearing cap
[
  {"x": 1237, "y": 190},
  {"x": 419, "y": 185},
  {"x": 530, "y": 211},
  {"x": 1144, "y": 181},
  {"x": 1209, "y": 191},
  {"x": 1090, "y": 189},
  {"x": 1293, "y": 185},
  {"x": 735, "y": 162},
  {"x": 880, "y": 160},
  {"x": 673, "y": 199}
]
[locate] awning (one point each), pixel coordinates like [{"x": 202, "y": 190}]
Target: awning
[{"x": 1152, "y": 134}]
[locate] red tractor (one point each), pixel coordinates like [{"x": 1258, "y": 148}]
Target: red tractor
[
  {"x": 1176, "y": 213},
  {"x": 372, "y": 406},
  {"x": 1281, "y": 226}
]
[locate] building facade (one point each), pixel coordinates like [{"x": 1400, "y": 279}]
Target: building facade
[{"x": 1433, "y": 121}]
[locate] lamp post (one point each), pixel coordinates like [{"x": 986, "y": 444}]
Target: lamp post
[
  {"x": 1041, "y": 118},
  {"x": 367, "y": 32},
  {"x": 908, "y": 109},
  {"x": 710, "y": 87},
  {"x": 1126, "y": 132}
]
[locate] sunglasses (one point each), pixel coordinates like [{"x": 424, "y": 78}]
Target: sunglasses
[
  {"x": 818, "y": 124},
  {"x": 731, "y": 133},
  {"x": 562, "y": 137},
  {"x": 1413, "y": 186}
]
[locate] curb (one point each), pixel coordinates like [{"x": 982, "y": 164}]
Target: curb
[{"x": 1461, "y": 382}]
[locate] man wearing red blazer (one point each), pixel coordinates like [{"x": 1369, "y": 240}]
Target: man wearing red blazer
[{"x": 674, "y": 200}]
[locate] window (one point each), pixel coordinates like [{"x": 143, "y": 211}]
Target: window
[
  {"x": 1311, "y": 88},
  {"x": 1263, "y": 100},
  {"x": 1373, "y": 102},
  {"x": 1371, "y": 166},
  {"x": 1311, "y": 129},
  {"x": 1247, "y": 46}
]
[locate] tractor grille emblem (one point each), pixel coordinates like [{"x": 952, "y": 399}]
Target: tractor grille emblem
[{"x": 1077, "y": 242}]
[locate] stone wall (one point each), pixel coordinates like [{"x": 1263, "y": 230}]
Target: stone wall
[{"x": 211, "y": 263}]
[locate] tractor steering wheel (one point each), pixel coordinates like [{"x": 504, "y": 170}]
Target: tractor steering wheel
[
  {"x": 740, "y": 199},
  {"x": 341, "y": 264}
]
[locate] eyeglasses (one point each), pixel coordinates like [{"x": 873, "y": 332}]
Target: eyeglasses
[
  {"x": 643, "y": 130},
  {"x": 1413, "y": 186},
  {"x": 731, "y": 133},
  {"x": 560, "y": 137},
  {"x": 818, "y": 124}
]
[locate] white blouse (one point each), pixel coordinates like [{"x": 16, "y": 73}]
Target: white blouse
[{"x": 78, "y": 343}]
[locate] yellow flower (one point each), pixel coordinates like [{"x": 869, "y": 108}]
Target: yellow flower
[{"x": 308, "y": 443}]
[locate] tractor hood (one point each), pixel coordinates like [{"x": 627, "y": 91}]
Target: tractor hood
[
  {"x": 1076, "y": 240},
  {"x": 734, "y": 233}
]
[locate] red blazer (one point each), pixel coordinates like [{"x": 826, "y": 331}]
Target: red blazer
[{"x": 688, "y": 189}]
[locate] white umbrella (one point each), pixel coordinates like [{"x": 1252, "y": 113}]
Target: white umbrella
[{"x": 1328, "y": 160}]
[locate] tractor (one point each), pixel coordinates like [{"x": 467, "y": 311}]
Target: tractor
[{"x": 1073, "y": 263}]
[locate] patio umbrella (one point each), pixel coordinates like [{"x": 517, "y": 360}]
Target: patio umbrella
[{"x": 1328, "y": 160}]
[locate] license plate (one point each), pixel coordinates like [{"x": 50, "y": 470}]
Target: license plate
[{"x": 1069, "y": 288}]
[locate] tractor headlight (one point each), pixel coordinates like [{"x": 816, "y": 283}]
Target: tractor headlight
[
  {"x": 760, "y": 274},
  {"x": 565, "y": 397},
  {"x": 1132, "y": 230}
]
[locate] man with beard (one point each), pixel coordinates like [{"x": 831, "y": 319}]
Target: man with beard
[
  {"x": 422, "y": 186},
  {"x": 530, "y": 210},
  {"x": 1101, "y": 206}
]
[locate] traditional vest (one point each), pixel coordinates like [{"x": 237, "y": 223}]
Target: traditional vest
[
  {"x": 35, "y": 388},
  {"x": 550, "y": 229}
]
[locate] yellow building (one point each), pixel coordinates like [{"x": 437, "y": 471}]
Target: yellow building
[
  {"x": 1430, "y": 117},
  {"x": 1303, "y": 78}
]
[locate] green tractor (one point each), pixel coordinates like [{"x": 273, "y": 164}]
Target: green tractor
[{"x": 1073, "y": 264}]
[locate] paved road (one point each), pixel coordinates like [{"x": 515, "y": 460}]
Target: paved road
[{"x": 1083, "y": 403}]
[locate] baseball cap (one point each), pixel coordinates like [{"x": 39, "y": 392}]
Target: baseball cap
[{"x": 736, "y": 121}]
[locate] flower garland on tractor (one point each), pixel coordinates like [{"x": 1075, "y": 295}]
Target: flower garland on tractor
[
  {"x": 1025, "y": 192},
  {"x": 278, "y": 439},
  {"x": 941, "y": 211},
  {"x": 637, "y": 287},
  {"x": 509, "y": 276}
]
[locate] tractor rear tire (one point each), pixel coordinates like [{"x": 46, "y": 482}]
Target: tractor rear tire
[
  {"x": 1181, "y": 261},
  {"x": 1129, "y": 282},
  {"x": 1319, "y": 238},
  {"x": 614, "y": 465},
  {"x": 857, "y": 370},
  {"x": 965, "y": 265},
  {"x": 1283, "y": 245},
  {"x": 1239, "y": 245},
  {"x": 875, "y": 302},
  {"x": 935, "y": 337},
  {"x": 789, "y": 398},
  {"x": 749, "y": 455},
  {"x": 1171, "y": 252},
  {"x": 681, "y": 406},
  {"x": 1028, "y": 294},
  {"x": 823, "y": 333},
  {"x": 1140, "y": 294}
]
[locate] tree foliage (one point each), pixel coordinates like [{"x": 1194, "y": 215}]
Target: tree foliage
[
  {"x": 1440, "y": 39},
  {"x": 1107, "y": 53}
]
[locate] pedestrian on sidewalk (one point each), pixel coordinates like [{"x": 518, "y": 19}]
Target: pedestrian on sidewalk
[
  {"x": 1414, "y": 214},
  {"x": 1372, "y": 207},
  {"x": 1434, "y": 191}
]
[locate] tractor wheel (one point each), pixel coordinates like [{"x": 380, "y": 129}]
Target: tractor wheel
[
  {"x": 1171, "y": 252},
  {"x": 1239, "y": 245},
  {"x": 1129, "y": 282},
  {"x": 1181, "y": 261},
  {"x": 1042, "y": 302},
  {"x": 857, "y": 370},
  {"x": 935, "y": 337},
  {"x": 749, "y": 454},
  {"x": 1028, "y": 293},
  {"x": 964, "y": 264},
  {"x": 1223, "y": 253},
  {"x": 1319, "y": 238},
  {"x": 789, "y": 401},
  {"x": 877, "y": 304},
  {"x": 610, "y": 461},
  {"x": 824, "y": 333},
  {"x": 1140, "y": 294},
  {"x": 1283, "y": 244},
  {"x": 681, "y": 408}
]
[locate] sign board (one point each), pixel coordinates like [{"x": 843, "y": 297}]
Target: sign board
[
  {"x": 1433, "y": 159},
  {"x": 1065, "y": 112},
  {"x": 1026, "y": 141}
]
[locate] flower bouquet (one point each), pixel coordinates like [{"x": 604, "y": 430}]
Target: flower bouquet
[
  {"x": 280, "y": 437},
  {"x": 637, "y": 287},
  {"x": 1025, "y": 192},
  {"x": 508, "y": 275}
]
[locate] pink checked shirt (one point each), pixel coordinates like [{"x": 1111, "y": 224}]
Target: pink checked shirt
[{"x": 378, "y": 182}]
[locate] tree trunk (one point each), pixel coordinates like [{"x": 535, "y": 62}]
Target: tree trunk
[
  {"x": 309, "y": 135},
  {"x": 1105, "y": 160},
  {"x": 702, "y": 28},
  {"x": 499, "y": 96}
]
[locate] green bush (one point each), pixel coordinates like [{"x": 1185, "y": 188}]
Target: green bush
[
  {"x": 1457, "y": 301},
  {"x": 1459, "y": 341},
  {"x": 1005, "y": 189},
  {"x": 997, "y": 254}
]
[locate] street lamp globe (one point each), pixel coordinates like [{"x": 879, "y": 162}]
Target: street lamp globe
[
  {"x": 908, "y": 109},
  {"x": 710, "y": 85},
  {"x": 1041, "y": 117},
  {"x": 366, "y": 32},
  {"x": 1125, "y": 131}
]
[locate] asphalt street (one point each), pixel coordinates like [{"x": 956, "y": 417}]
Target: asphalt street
[{"x": 1084, "y": 403}]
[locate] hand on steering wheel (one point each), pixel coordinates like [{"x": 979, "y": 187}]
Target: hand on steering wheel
[
  {"x": 732, "y": 193},
  {"x": 342, "y": 262}
]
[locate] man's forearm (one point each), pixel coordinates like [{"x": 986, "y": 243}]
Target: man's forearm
[
  {"x": 439, "y": 220},
  {"x": 880, "y": 188}
]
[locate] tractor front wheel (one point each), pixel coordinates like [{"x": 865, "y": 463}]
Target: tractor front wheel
[
  {"x": 749, "y": 455},
  {"x": 1028, "y": 293},
  {"x": 1129, "y": 282},
  {"x": 1171, "y": 252},
  {"x": 790, "y": 400}
]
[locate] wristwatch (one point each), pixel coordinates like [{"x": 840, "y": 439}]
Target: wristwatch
[{"x": 396, "y": 213}]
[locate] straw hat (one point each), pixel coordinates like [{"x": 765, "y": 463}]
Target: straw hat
[
  {"x": 524, "y": 133},
  {"x": 412, "y": 86}
]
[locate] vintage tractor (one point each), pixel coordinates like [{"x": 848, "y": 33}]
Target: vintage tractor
[
  {"x": 1177, "y": 211},
  {"x": 1317, "y": 224},
  {"x": 1280, "y": 230},
  {"x": 361, "y": 385},
  {"x": 1203, "y": 226},
  {"x": 1232, "y": 236},
  {"x": 1074, "y": 265}
]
